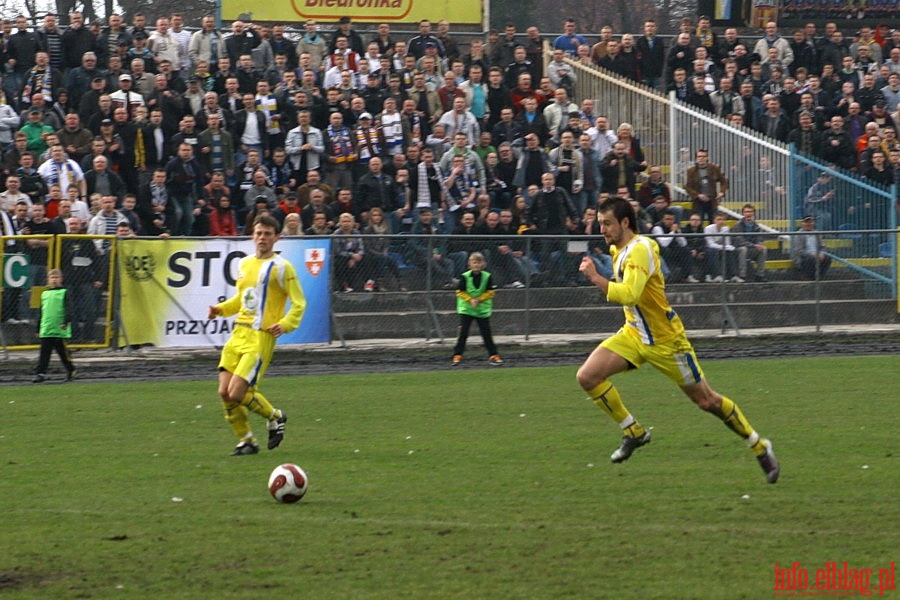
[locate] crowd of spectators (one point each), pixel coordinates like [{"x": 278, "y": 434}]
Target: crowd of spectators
[{"x": 154, "y": 130}]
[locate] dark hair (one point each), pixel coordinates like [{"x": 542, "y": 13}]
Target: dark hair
[
  {"x": 621, "y": 210},
  {"x": 267, "y": 220}
]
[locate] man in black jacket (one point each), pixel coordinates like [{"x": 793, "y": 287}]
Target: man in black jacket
[
  {"x": 184, "y": 183},
  {"x": 552, "y": 213},
  {"x": 376, "y": 188},
  {"x": 652, "y": 55}
]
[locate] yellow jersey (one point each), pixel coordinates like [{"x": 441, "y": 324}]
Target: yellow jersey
[
  {"x": 263, "y": 289},
  {"x": 640, "y": 288}
]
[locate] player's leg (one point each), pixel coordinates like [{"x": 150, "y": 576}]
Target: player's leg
[
  {"x": 487, "y": 336},
  {"x": 730, "y": 413},
  {"x": 236, "y": 414},
  {"x": 65, "y": 357},
  {"x": 462, "y": 336},
  {"x": 245, "y": 386},
  {"x": 40, "y": 372},
  {"x": 593, "y": 376}
]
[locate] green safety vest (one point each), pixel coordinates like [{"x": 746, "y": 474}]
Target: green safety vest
[
  {"x": 484, "y": 308},
  {"x": 53, "y": 314}
]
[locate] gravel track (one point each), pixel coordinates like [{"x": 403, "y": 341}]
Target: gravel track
[{"x": 175, "y": 364}]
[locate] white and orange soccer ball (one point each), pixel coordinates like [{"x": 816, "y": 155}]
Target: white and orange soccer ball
[{"x": 288, "y": 483}]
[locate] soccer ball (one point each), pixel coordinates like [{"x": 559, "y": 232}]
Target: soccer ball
[{"x": 288, "y": 483}]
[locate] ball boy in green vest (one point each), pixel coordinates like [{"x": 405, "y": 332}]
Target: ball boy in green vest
[
  {"x": 475, "y": 302},
  {"x": 55, "y": 326}
]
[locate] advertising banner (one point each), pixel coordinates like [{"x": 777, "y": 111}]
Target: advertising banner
[
  {"x": 372, "y": 11},
  {"x": 168, "y": 285}
]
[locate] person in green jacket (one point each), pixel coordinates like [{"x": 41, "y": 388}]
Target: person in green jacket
[
  {"x": 475, "y": 302},
  {"x": 55, "y": 326}
]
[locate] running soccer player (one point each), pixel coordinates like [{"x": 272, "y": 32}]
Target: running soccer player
[
  {"x": 653, "y": 333},
  {"x": 265, "y": 283}
]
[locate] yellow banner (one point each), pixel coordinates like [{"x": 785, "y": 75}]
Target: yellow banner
[{"x": 371, "y": 11}]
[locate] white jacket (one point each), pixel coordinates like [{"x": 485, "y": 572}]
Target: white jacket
[{"x": 9, "y": 122}]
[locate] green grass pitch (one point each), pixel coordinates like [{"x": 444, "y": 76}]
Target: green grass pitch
[{"x": 452, "y": 484}]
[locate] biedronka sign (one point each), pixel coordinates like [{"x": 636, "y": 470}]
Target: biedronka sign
[{"x": 370, "y": 11}]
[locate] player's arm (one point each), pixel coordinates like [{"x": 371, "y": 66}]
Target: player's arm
[
  {"x": 227, "y": 308},
  {"x": 291, "y": 321},
  {"x": 489, "y": 291},
  {"x": 232, "y": 305}
]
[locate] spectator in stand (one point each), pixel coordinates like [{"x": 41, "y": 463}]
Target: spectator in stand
[
  {"x": 706, "y": 185},
  {"x": 569, "y": 41},
  {"x": 819, "y": 199},
  {"x": 101, "y": 180},
  {"x": 837, "y": 146},
  {"x": 808, "y": 252},
  {"x": 699, "y": 96},
  {"x": 377, "y": 189},
  {"x": 222, "y": 220},
  {"x": 673, "y": 247},
  {"x": 696, "y": 246},
  {"x": 385, "y": 270},
  {"x": 618, "y": 169},
  {"x": 680, "y": 56},
  {"x": 242, "y": 41},
  {"x": 750, "y": 248},
  {"x": 352, "y": 267},
  {"x": 654, "y": 187},
  {"x": 184, "y": 182},
  {"x": 651, "y": 55},
  {"x": 772, "y": 39},
  {"x": 721, "y": 252},
  {"x": 725, "y": 101},
  {"x": 61, "y": 170},
  {"x": 552, "y": 213},
  {"x": 773, "y": 122}
]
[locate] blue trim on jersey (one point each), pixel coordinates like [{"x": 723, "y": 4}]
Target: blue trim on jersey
[
  {"x": 671, "y": 314},
  {"x": 265, "y": 290},
  {"x": 255, "y": 372},
  {"x": 645, "y": 325},
  {"x": 693, "y": 366}
]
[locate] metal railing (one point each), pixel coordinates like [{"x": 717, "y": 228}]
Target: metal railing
[{"x": 764, "y": 172}]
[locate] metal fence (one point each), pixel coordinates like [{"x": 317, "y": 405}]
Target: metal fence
[
  {"x": 86, "y": 263},
  {"x": 762, "y": 171},
  {"x": 554, "y": 298},
  {"x": 541, "y": 291}
]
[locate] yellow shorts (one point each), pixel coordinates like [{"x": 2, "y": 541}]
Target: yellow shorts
[
  {"x": 675, "y": 359},
  {"x": 248, "y": 354}
]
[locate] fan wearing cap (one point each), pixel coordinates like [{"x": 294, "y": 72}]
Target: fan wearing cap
[
  {"x": 35, "y": 131},
  {"x": 140, "y": 50},
  {"x": 369, "y": 142},
  {"x": 193, "y": 96},
  {"x": 125, "y": 97},
  {"x": 345, "y": 30},
  {"x": 89, "y": 102}
]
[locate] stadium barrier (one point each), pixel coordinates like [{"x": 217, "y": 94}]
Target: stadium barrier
[
  {"x": 156, "y": 291},
  {"x": 86, "y": 265},
  {"x": 767, "y": 173}
]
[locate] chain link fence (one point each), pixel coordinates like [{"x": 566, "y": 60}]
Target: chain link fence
[
  {"x": 404, "y": 287},
  {"x": 542, "y": 290},
  {"x": 86, "y": 263}
]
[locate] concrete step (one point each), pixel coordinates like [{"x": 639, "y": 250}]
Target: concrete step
[
  {"x": 605, "y": 318},
  {"x": 417, "y": 302}
]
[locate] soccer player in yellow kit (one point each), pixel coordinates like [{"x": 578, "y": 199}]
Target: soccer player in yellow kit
[
  {"x": 653, "y": 333},
  {"x": 265, "y": 283}
]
